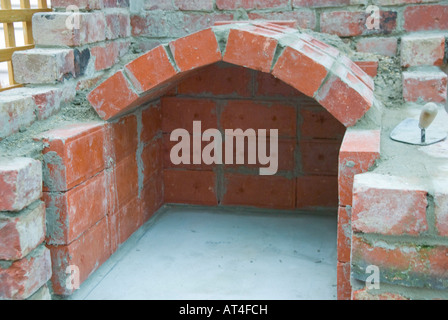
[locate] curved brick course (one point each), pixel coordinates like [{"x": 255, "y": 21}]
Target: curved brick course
[{"x": 310, "y": 66}]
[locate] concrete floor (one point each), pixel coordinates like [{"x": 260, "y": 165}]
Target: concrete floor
[{"x": 214, "y": 253}]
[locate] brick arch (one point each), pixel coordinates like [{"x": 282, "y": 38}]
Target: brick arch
[{"x": 312, "y": 67}]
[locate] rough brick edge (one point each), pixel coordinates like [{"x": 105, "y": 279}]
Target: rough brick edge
[{"x": 340, "y": 86}]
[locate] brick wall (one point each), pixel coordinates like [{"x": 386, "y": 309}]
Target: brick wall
[
  {"x": 130, "y": 171},
  {"x": 225, "y": 96}
]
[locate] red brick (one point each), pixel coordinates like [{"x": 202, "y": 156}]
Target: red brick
[
  {"x": 152, "y": 195},
  {"x": 118, "y": 25},
  {"x": 20, "y": 183},
  {"x": 48, "y": 102},
  {"x": 398, "y": 2},
  {"x": 253, "y": 48},
  {"x": 24, "y": 277},
  {"x": 196, "y": 50},
  {"x": 364, "y": 294},
  {"x": 290, "y": 24},
  {"x": 112, "y": 97},
  {"x": 16, "y": 113},
  {"x": 320, "y": 3},
  {"x": 318, "y": 123},
  {"x": 151, "y": 69},
  {"x": 218, "y": 80},
  {"x": 319, "y": 156},
  {"x": 353, "y": 23},
  {"x": 300, "y": 59},
  {"x": 152, "y": 159},
  {"x": 305, "y": 19},
  {"x": 405, "y": 264},
  {"x": 73, "y": 212},
  {"x": 125, "y": 222},
  {"x": 422, "y": 50},
  {"x": 369, "y": 67},
  {"x": 196, "y": 5},
  {"x": 353, "y": 73},
  {"x": 188, "y": 186},
  {"x": 22, "y": 232},
  {"x": 317, "y": 191},
  {"x": 248, "y": 114},
  {"x": 274, "y": 192},
  {"x": 441, "y": 207},
  {"x": 108, "y": 55},
  {"x": 151, "y": 122},
  {"x": 425, "y": 86},
  {"x": 81, "y": 4},
  {"x": 115, "y": 3},
  {"x": 88, "y": 253},
  {"x": 402, "y": 209},
  {"x": 181, "y": 112},
  {"x": 381, "y": 46},
  {"x": 124, "y": 137},
  {"x": 343, "y": 281},
  {"x": 285, "y": 156},
  {"x": 266, "y": 85},
  {"x": 344, "y": 234},
  {"x": 426, "y": 17},
  {"x": 125, "y": 181},
  {"x": 167, "y": 163},
  {"x": 252, "y": 4},
  {"x": 345, "y": 96},
  {"x": 74, "y": 154},
  {"x": 358, "y": 153},
  {"x": 54, "y": 31}
]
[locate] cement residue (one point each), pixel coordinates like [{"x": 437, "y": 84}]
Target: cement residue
[{"x": 24, "y": 142}]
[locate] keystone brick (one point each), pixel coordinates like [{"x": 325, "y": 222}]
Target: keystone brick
[
  {"x": 23, "y": 232},
  {"x": 196, "y": 50},
  {"x": 24, "y": 277},
  {"x": 251, "y": 48},
  {"x": 20, "y": 183}
]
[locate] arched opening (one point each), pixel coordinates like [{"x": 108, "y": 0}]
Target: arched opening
[{"x": 242, "y": 76}]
